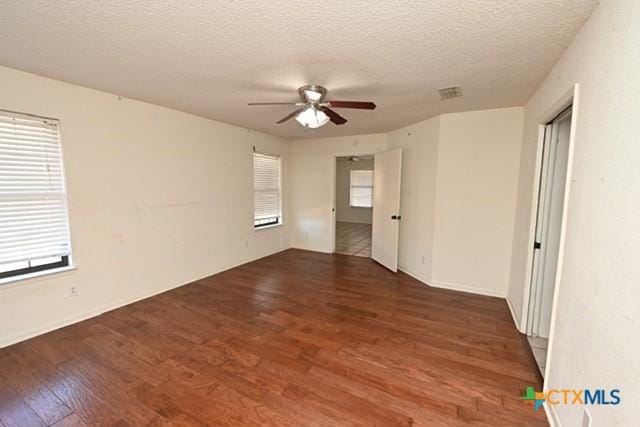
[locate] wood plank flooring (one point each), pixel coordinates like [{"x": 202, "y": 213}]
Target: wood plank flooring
[
  {"x": 353, "y": 239},
  {"x": 294, "y": 339}
]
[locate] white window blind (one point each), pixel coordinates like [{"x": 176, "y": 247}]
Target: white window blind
[
  {"x": 267, "y": 190},
  {"x": 34, "y": 230},
  {"x": 361, "y": 188}
]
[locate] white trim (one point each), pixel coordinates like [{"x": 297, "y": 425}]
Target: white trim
[
  {"x": 455, "y": 286},
  {"x": 8, "y": 281},
  {"x": 552, "y": 416},
  {"x": 60, "y": 323},
  {"x": 312, "y": 249},
  {"x": 69, "y": 320},
  {"x": 563, "y": 231},
  {"x": 318, "y": 251},
  {"x": 513, "y": 315},
  {"x": 416, "y": 276},
  {"x": 468, "y": 288},
  {"x": 568, "y": 98}
]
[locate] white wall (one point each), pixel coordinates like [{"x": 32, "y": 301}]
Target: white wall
[
  {"x": 313, "y": 185},
  {"x": 595, "y": 332},
  {"x": 459, "y": 183},
  {"x": 157, "y": 198},
  {"x": 478, "y": 157},
  {"x": 344, "y": 211}
]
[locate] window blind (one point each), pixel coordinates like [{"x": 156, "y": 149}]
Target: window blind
[
  {"x": 34, "y": 227},
  {"x": 267, "y": 190},
  {"x": 361, "y": 188}
]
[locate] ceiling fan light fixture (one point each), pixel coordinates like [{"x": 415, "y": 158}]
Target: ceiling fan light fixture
[
  {"x": 312, "y": 118},
  {"x": 315, "y": 110}
]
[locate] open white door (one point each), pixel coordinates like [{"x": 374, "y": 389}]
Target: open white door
[{"x": 387, "y": 171}]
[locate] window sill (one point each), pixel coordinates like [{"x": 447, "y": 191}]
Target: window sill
[
  {"x": 267, "y": 227},
  {"x": 38, "y": 275}
]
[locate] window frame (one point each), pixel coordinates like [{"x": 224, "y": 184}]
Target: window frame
[
  {"x": 275, "y": 220},
  {"x": 66, "y": 261},
  {"x": 351, "y": 187}
]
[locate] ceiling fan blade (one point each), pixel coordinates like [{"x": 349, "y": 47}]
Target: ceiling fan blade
[
  {"x": 334, "y": 117},
  {"x": 290, "y": 116},
  {"x": 352, "y": 104},
  {"x": 274, "y": 103}
]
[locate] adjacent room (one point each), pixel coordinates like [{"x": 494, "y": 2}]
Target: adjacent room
[
  {"x": 416, "y": 213},
  {"x": 354, "y": 205}
]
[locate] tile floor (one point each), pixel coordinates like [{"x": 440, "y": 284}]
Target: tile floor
[
  {"x": 539, "y": 348},
  {"x": 353, "y": 239}
]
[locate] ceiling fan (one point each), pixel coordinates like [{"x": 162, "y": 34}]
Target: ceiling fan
[{"x": 315, "y": 111}]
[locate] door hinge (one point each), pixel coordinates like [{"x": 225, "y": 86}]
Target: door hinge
[{"x": 537, "y": 245}]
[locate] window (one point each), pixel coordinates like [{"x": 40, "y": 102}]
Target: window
[
  {"x": 34, "y": 230},
  {"x": 361, "y": 189},
  {"x": 267, "y": 190}
]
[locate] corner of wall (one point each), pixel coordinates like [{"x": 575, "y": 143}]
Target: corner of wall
[
  {"x": 514, "y": 314},
  {"x": 425, "y": 279}
]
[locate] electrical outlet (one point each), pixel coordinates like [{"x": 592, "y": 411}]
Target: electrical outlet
[
  {"x": 586, "y": 418},
  {"x": 246, "y": 243},
  {"x": 423, "y": 259},
  {"x": 73, "y": 291}
]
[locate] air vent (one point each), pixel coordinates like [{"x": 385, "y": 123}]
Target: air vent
[{"x": 450, "y": 92}]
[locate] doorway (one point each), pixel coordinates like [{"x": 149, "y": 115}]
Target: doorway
[
  {"x": 354, "y": 205},
  {"x": 548, "y": 231}
]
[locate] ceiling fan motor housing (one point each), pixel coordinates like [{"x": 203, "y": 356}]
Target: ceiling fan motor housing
[{"x": 312, "y": 94}]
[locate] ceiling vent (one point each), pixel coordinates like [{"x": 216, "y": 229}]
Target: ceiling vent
[{"x": 450, "y": 92}]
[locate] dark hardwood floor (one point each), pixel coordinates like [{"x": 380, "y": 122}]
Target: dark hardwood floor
[{"x": 297, "y": 338}]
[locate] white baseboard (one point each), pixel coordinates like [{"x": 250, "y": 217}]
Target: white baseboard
[
  {"x": 516, "y": 321},
  {"x": 416, "y": 276},
  {"x": 312, "y": 249},
  {"x": 552, "y": 416},
  {"x": 453, "y": 286},
  {"x": 52, "y": 326},
  {"x": 84, "y": 315},
  {"x": 467, "y": 288}
]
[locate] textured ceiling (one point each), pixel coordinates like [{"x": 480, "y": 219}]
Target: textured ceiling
[{"x": 212, "y": 57}]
